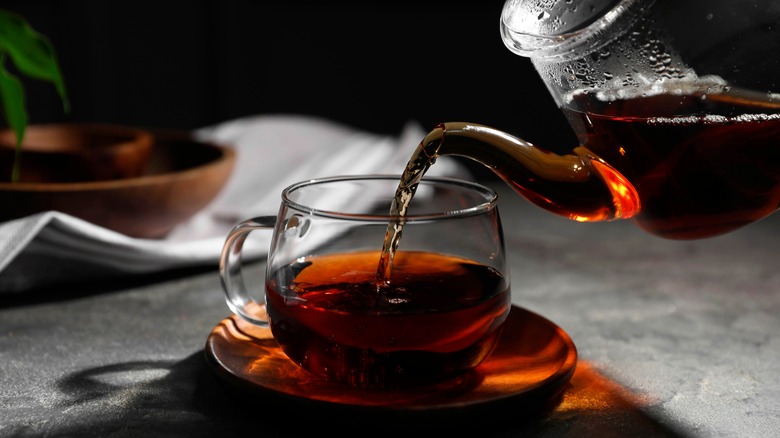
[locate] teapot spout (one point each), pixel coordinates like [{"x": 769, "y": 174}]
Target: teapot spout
[{"x": 579, "y": 185}]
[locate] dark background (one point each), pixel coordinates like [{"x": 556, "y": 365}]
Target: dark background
[{"x": 371, "y": 65}]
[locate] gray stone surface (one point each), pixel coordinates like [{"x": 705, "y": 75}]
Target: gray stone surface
[{"x": 675, "y": 338}]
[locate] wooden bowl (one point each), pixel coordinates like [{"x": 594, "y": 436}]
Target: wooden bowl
[
  {"x": 76, "y": 152},
  {"x": 180, "y": 177}
]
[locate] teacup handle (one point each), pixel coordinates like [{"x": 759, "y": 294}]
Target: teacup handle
[{"x": 236, "y": 295}]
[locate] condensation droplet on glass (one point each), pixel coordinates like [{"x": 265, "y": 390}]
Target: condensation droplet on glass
[{"x": 543, "y": 16}]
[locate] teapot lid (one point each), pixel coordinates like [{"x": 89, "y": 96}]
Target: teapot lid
[{"x": 565, "y": 28}]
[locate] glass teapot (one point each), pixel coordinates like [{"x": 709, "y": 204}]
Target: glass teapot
[{"x": 676, "y": 104}]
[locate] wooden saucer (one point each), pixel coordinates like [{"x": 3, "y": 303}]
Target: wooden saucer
[{"x": 531, "y": 366}]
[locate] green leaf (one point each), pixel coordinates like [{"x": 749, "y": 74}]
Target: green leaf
[
  {"x": 31, "y": 52},
  {"x": 33, "y": 55},
  {"x": 12, "y": 96}
]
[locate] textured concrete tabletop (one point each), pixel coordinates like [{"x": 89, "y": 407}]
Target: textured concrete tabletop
[{"x": 674, "y": 339}]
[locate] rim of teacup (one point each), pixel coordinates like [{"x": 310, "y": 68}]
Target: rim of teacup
[{"x": 485, "y": 198}]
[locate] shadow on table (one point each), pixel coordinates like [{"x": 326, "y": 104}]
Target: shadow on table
[
  {"x": 185, "y": 398},
  {"x": 65, "y": 291}
]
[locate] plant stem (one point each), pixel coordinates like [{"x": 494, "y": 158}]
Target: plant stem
[{"x": 17, "y": 168}]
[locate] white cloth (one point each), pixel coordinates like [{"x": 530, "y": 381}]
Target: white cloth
[{"x": 272, "y": 152}]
